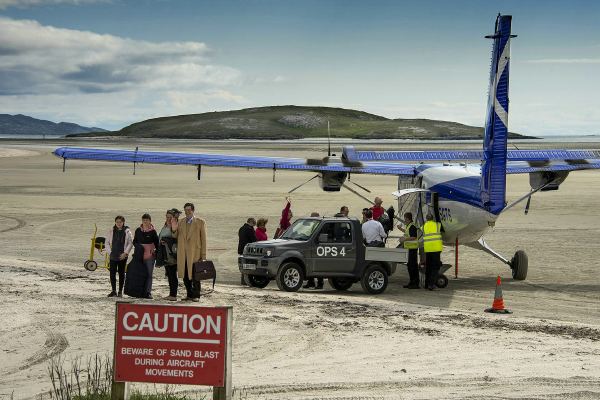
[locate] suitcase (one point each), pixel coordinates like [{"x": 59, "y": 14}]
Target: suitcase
[{"x": 203, "y": 270}]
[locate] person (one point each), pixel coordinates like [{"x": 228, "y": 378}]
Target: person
[
  {"x": 433, "y": 245},
  {"x": 286, "y": 217},
  {"x": 372, "y": 230},
  {"x": 315, "y": 214},
  {"x": 146, "y": 235},
  {"x": 377, "y": 209},
  {"x": 410, "y": 241},
  {"x": 119, "y": 242},
  {"x": 261, "y": 230},
  {"x": 167, "y": 243},
  {"x": 344, "y": 211},
  {"x": 364, "y": 215},
  {"x": 190, "y": 232},
  {"x": 246, "y": 234}
]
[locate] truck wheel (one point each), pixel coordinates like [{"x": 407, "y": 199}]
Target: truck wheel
[
  {"x": 256, "y": 281},
  {"x": 341, "y": 283},
  {"x": 375, "y": 279},
  {"x": 290, "y": 277}
]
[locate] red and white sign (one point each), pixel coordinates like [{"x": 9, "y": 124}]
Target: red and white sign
[{"x": 170, "y": 344}]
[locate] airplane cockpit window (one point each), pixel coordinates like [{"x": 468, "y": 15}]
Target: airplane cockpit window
[{"x": 337, "y": 232}]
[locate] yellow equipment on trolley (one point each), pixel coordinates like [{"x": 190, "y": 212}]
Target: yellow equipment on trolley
[{"x": 98, "y": 243}]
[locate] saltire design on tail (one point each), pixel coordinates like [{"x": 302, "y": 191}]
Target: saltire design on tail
[{"x": 493, "y": 169}]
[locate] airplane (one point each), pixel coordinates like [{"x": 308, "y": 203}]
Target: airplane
[{"x": 464, "y": 189}]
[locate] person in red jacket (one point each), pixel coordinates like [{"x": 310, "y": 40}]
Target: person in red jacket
[
  {"x": 377, "y": 209},
  {"x": 286, "y": 217},
  {"x": 261, "y": 229}
]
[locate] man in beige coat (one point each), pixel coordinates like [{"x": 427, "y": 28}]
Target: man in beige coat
[{"x": 190, "y": 232}]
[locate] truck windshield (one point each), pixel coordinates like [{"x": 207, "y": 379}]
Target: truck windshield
[{"x": 302, "y": 229}]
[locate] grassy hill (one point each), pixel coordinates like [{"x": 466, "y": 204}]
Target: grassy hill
[{"x": 295, "y": 122}]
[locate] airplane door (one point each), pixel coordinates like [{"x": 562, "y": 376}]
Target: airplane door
[{"x": 334, "y": 250}]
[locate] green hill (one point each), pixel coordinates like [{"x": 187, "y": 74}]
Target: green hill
[{"x": 295, "y": 122}]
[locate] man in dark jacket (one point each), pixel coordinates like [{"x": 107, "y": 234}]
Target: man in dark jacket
[{"x": 246, "y": 235}]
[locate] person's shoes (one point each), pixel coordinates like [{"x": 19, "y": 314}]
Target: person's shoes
[
  {"x": 149, "y": 296},
  {"x": 431, "y": 288},
  {"x": 170, "y": 298},
  {"x": 195, "y": 299},
  {"x": 186, "y": 299},
  {"x": 112, "y": 294},
  {"x": 120, "y": 294}
]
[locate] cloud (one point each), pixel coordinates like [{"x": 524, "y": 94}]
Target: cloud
[
  {"x": 44, "y": 67},
  {"x": 564, "y": 61},
  {"x": 31, "y": 3},
  {"x": 48, "y": 60}
]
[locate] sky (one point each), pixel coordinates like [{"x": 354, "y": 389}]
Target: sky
[{"x": 110, "y": 63}]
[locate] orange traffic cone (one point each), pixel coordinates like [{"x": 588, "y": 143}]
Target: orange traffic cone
[{"x": 498, "y": 304}]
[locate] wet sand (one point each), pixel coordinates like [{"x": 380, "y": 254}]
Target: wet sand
[{"x": 305, "y": 345}]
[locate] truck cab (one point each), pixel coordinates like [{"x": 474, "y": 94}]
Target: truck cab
[{"x": 324, "y": 247}]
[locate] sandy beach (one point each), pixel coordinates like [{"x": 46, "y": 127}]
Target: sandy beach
[{"x": 412, "y": 344}]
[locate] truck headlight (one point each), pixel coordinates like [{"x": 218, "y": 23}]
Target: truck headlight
[{"x": 269, "y": 252}]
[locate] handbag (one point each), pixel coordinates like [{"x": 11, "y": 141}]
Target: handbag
[{"x": 202, "y": 270}]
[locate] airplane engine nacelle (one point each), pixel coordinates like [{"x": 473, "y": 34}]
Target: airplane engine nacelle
[
  {"x": 332, "y": 181},
  {"x": 553, "y": 179}
]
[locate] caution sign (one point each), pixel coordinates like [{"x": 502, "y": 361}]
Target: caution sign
[{"x": 171, "y": 344}]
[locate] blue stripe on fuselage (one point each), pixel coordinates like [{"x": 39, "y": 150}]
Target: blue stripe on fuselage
[{"x": 464, "y": 190}]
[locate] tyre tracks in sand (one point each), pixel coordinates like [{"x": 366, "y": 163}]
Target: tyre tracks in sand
[{"x": 20, "y": 223}]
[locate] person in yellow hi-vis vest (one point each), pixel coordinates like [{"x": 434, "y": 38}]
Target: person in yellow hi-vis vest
[
  {"x": 410, "y": 242},
  {"x": 433, "y": 245}
]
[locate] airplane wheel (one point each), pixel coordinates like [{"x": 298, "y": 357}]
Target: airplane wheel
[
  {"x": 519, "y": 265},
  {"x": 441, "y": 281},
  {"x": 90, "y": 265}
]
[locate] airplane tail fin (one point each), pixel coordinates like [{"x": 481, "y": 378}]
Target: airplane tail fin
[{"x": 493, "y": 170}]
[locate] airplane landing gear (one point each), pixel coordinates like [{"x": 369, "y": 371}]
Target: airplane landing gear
[{"x": 519, "y": 265}]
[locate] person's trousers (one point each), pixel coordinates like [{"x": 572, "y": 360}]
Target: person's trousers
[
  {"x": 117, "y": 266},
  {"x": 413, "y": 267},
  {"x": 192, "y": 286},
  {"x": 149, "y": 264},
  {"x": 311, "y": 282},
  {"x": 171, "y": 271},
  {"x": 432, "y": 268}
]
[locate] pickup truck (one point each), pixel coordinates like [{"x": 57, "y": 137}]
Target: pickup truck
[{"x": 325, "y": 247}]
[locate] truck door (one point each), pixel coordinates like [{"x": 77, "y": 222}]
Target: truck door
[{"x": 334, "y": 250}]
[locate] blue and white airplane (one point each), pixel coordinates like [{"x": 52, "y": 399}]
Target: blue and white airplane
[{"x": 465, "y": 190}]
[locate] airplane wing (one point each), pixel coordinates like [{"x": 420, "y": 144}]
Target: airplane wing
[
  {"x": 240, "y": 161},
  {"x": 518, "y": 161},
  {"x": 471, "y": 155}
]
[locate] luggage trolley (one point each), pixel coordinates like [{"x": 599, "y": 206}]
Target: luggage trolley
[
  {"x": 97, "y": 243},
  {"x": 441, "y": 281}
]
